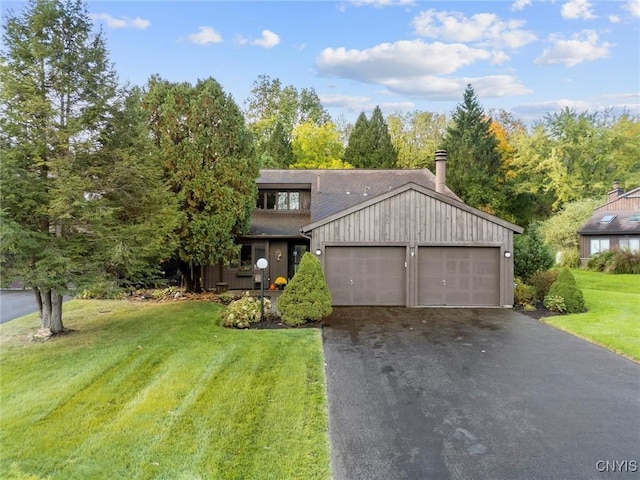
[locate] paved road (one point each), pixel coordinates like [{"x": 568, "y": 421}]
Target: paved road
[
  {"x": 475, "y": 394},
  {"x": 16, "y": 303}
]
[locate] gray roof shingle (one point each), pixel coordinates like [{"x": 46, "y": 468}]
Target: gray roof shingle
[
  {"x": 619, "y": 225},
  {"x": 335, "y": 190}
]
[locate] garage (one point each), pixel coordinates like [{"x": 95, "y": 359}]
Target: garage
[
  {"x": 366, "y": 275},
  {"x": 458, "y": 276},
  {"x": 415, "y": 247}
]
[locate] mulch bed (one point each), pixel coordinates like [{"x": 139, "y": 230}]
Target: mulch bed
[{"x": 538, "y": 313}]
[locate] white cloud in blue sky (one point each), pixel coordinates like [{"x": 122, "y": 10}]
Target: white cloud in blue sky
[
  {"x": 204, "y": 36},
  {"x": 584, "y": 46},
  {"x": 578, "y": 9},
  {"x": 268, "y": 39},
  {"x": 122, "y": 22}
]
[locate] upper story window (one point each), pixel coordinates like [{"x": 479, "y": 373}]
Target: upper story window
[{"x": 279, "y": 200}]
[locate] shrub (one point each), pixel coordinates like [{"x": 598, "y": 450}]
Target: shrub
[
  {"x": 103, "y": 291},
  {"x": 530, "y": 254},
  {"x": 555, "y": 303},
  {"x": 306, "y": 297},
  {"x": 565, "y": 287},
  {"x": 600, "y": 261},
  {"x": 569, "y": 257},
  {"x": 625, "y": 261},
  {"x": 524, "y": 294},
  {"x": 245, "y": 311},
  {"x": 542, "y": 281}
]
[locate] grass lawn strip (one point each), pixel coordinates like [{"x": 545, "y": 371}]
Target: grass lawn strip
[
  {"x": 613, "y": 316},
  {"x": 161, "y": 391}
]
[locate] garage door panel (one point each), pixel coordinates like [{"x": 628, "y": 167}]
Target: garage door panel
[
  {"x": 366, "y": 275},
  {"x": 458, "y": 276}
]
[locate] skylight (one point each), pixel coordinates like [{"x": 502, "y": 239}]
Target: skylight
[
  {"x": 607, "y": 219},
  {"x": 635, "y": 217}
]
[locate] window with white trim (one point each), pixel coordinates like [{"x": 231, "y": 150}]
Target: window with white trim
[
  {"x": 632, "y": 244},
  {"x": 598, "y": 245}
]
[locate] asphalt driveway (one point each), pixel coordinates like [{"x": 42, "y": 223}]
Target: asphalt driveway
[{"x": 475, "y": 394}]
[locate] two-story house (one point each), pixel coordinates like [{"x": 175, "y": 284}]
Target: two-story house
[{"x": 383, "y": 237}]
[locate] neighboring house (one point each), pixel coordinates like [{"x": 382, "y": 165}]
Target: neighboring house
[
  {"x": 384, "y": 237},
  {"x": 614, "y": 225}
]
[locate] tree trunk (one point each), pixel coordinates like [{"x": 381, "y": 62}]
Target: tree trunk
[
  {"x": 36, "y": 292},
  {"x": 191, "y": 278},
  {"x": 56, "y": 313},
  {"x": 45, "y": 308}
]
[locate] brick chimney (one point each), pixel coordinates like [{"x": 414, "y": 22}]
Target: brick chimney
[
  {"x": 616, "y": 192},
  {"x": 441, "y": 170}
]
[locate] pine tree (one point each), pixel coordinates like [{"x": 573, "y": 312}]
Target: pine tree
[
  {"x": 370, "y": 144},
  {"x": 75, "y": 165},
  {"x": 473, "y": 158}
]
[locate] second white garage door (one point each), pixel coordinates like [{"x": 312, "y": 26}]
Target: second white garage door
[
  {"x": 366, "y": 275},
  {"x": 458, "y": 276}
]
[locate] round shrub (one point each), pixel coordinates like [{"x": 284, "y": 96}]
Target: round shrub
[
  {"x": 306, "y": 297},
  {"x": 565, "y": 291},
  {"x": 245, "y": 311}
]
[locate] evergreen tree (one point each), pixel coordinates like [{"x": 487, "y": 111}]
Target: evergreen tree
[
  {"x": 473, "y": 157},
  {"x": 82, "y": 199},
  {"x": 359, "y": 139},
  {"x": 307, "y": 296},
  {"x": 210, "y": 164},
  {"x": 370, "y": 144},
  {"x": 277, "y": 149}
]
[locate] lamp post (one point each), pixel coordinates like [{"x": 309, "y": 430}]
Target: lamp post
[{"x": 262, "y": 264}]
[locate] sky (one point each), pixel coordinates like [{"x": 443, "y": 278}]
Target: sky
[{"x": 528, "y": 57}]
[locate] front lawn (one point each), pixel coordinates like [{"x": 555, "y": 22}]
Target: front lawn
[
  {"x": 613, "y": 317},
  {"x": 142, "y": 391}
]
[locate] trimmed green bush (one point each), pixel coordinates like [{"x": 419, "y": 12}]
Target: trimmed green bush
[
  {"x": 306, "y": 297},
  {"x": 555, "y": 303},
  {"x": 564, "y": 289},
  {"x": 542, "y": 282}
]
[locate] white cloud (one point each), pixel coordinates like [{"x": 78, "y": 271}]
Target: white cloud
[
  {"x": 481, "y": 28},
  {"x": 403, "y": 58},
  {"x": 205, "y": 36},
  {"x": 614, "y": 19},
  {"x": 357, "y": 104},
  {"x": 268, "y": 40},
  {"x": 122, "y": 22},
  {"x": 617, "y": 103},
  {"x": 416, "y": 68},
  {"x": 582, "y": 47},
  {"x": 441, "y": 88},
  {"x": 633, "y": 7},
  {"x": 576, "y": 9},
  {"x": 382, "y": 3},
  {"x": 520, "y": 4}
]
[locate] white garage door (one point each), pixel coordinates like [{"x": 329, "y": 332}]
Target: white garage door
[
  {"x": 366, "y": 275},
  {"x": 458, "y": 276}
]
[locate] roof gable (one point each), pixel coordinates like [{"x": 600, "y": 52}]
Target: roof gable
[{"x": 418, "y": 188}]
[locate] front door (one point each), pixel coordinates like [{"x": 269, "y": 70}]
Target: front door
[{"x": 278, "y": 265}]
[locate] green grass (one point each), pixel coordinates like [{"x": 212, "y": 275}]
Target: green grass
[
  {"x": 160, "y": 391},
  {"x": 613, "y": 316}
]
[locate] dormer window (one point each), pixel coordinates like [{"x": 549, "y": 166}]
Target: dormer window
[
  {"x": 282, "y": 200},
  {"x": 607, "y": 219}
]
